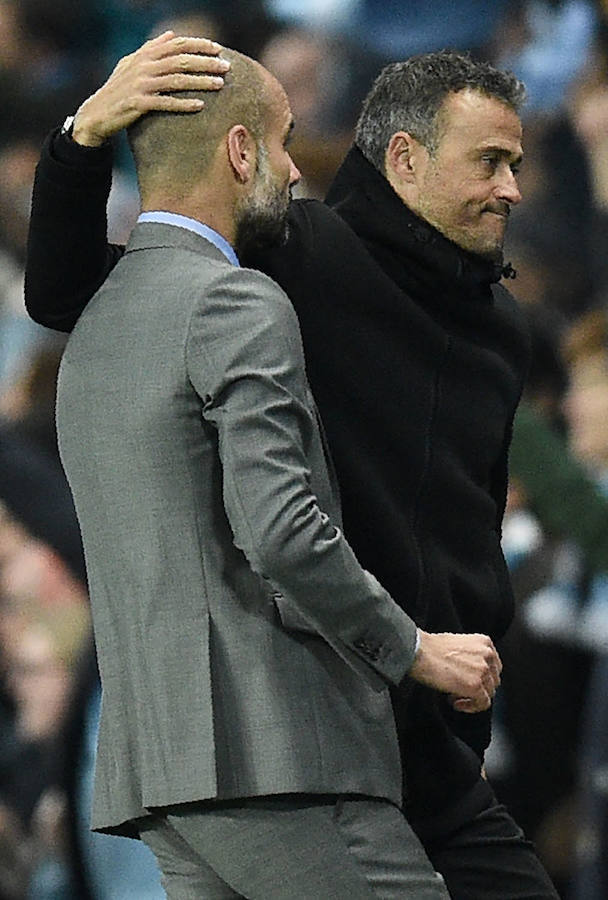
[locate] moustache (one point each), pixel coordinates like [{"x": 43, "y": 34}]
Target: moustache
[{"x": 499, "y": 209}]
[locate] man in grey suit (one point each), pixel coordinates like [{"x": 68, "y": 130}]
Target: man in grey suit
[{"x": 246, "y": 731}]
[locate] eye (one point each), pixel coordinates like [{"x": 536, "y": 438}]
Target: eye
[
  {"x": 288, "y": 135},
  {"x": 490, "y": 160}
]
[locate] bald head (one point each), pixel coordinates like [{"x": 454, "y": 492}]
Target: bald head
[{"x": 173, "y": 151}]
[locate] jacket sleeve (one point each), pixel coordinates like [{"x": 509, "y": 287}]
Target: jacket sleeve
[
  {"x": 245, "y": 360},
  {"x": 68, "y": 256}
]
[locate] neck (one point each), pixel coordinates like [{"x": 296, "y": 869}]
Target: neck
[{"x": 212, "y": 208}]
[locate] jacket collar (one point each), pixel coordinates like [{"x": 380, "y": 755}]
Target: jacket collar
[
  {"x": 154, "y": 235},
  {"x": 410, "y": 250}
]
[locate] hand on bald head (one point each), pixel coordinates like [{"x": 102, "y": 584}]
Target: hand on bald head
[{"x": 174, "y": 151}]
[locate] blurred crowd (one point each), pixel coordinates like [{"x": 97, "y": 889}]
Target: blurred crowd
[{"x": 549, "y": 756}]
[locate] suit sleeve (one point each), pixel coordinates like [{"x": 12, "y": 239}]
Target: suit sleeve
[
  {"x": 245, "y": 360},
  {"x": 68, "y": 256}
]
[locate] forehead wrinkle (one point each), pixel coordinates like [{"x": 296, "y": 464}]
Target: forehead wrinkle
[{"x": 466, "y": 110}]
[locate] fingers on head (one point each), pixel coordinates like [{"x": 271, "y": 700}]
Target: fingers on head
[
  {"x": 189, "y": 82},
  {"x": 167, "y": 103},
  {"x": 190, "y": 63},
  {"x": 198, "y": 45}
]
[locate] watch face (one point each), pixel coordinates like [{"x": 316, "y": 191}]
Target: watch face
[{"x": 68, "y": 125}]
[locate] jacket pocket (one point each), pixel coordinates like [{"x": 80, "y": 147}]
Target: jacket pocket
[{"x": 291, "y": 617}]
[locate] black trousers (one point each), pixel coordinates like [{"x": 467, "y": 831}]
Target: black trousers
[{"x": 485, "y": 856}]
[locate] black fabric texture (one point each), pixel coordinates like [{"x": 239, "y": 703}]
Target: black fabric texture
[
  {"x": 416, "y": 356},
  {"x": 470, "y": 855}
]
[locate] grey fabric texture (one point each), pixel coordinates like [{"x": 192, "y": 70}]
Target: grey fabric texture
[
  {"x": 242, "y": 649},
  {"x": 286, "y": 849}
]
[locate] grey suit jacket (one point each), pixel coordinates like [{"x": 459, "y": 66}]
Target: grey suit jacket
[{"x": 242, "y": 649}]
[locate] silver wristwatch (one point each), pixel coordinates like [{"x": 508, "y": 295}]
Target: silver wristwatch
[{"x": 68, "y": 126}]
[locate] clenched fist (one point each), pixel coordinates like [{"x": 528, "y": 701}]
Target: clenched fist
[{"x": 466, "y": 666}]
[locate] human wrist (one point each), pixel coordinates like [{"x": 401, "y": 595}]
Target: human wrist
[
  {"x": 86, "y": 129},
  {"x": 416, "y": 657},
  {"x": 84, "y": 135},
  {"x": 68, "y": 152},
  {"x": 425, "y": 655}
]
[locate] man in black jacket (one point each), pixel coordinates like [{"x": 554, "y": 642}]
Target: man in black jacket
[{"x": 416, "y": 356}]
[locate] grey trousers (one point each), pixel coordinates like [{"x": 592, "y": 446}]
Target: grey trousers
[{"x": 290, "y": 848}]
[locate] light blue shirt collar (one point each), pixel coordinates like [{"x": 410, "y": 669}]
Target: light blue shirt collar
[{"x": 167, "y": 218}]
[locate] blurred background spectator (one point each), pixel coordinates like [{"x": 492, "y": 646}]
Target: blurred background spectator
[{"x": 549, "y": 758}]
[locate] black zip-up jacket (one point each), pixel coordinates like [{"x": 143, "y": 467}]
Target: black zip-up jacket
[{"x": 416, "y": 357}]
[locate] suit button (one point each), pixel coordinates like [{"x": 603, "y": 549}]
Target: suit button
[{"x": 369, "y": 649}]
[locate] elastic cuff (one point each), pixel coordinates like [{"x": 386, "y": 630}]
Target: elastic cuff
[{"x": 69, "y": 152}]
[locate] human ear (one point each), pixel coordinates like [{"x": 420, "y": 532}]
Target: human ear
[
  {"x": 242, "y": 152},
  {"x": 402, "y": 156}
]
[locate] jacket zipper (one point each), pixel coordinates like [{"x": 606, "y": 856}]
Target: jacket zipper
[{"x": 425, "y": 471}]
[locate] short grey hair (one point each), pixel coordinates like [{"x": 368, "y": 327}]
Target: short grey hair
[{"x": 408, "y": 96}]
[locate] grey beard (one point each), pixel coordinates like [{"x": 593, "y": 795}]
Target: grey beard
[
  {"x": 262, "y": 224},
  {"x": 259, "y": 229}
]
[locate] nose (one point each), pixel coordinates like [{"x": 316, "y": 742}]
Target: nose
[
  {"x": 294, "y": 173},
  {"x": 508, "y": 188}
]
